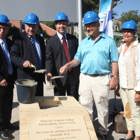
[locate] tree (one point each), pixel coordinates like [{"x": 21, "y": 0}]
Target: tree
[
  {"x": 94, "y": 5},
  {"x": 133, "y": 14},
  {"x": 116, "y": 2},
  {"x": 90, "y": 5}
]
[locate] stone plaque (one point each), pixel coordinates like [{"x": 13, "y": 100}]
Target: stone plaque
[{"x": 61, "y": 127}]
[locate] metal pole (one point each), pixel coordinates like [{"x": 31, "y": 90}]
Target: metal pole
[{"x": 80, "y": 19}]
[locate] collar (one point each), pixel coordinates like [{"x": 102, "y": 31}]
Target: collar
[
  {"x": 133, "y": 44},
  {"x": 60, "y": 35},
  {"x": 101, "y": 35},
  {"x": 1, "y": 41},
  {"x": 31, "y": 37}
]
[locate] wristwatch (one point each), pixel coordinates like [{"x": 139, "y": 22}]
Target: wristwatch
[{"x": 113, "y": 76}]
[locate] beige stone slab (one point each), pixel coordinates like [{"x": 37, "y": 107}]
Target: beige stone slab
[
  {"x": 62, "y": 127},
  {"x": 36, "y": 118}
]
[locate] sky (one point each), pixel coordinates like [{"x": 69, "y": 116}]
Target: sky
[
  {"x": 45, "y": 9},
  {"x": 126, "y": 6}
]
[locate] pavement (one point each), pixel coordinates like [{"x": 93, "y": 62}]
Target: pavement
[{"x": 48, "y": 91}]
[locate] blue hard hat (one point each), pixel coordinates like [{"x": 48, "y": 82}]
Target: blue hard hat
[
  {"x": 90, "y": 17},
  {"x": 31, "y": 18},
  {"x": 4, "y": 19},
  {"x": 129, "y": 25},
  {"x": 61, "y": 16}
]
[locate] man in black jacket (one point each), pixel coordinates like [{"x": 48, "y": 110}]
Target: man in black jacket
[
  {"x": 6, "y": 79},
  {"x": 60, "y": 49},
  {"x": 28, "y": 51}
]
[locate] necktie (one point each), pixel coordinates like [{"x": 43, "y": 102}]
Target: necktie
[
  {"x": 7, "y": 56},
  {"x": 66, "y": 49},
  {"x": 37, "y": 53}
]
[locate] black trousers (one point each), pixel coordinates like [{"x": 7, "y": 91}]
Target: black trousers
[
  {"x": 71, "y": 87},
  {"x": 39, "y": 88},
  {"x": 39, "y": 78},
  {"x": 6, "y": 101}
]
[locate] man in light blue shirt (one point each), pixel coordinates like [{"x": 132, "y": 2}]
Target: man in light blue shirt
[{"x": 98, "y": 57}]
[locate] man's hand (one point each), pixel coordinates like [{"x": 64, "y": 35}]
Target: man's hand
[
  {"x": 27, "y": 64},
  {"x": 113, "y": 83},
  {"x": 137, "y": 97},
  {"x": 68, "y": 66},
  {"x": 49, "y": 76},
  {"x": 3, "y": 83},
  {"x": 64, "y": 69}
]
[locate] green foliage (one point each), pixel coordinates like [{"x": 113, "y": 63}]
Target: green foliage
[
  {"x": 133, "y": 14},
  {"x": 116, "y": 2},
  {"x": 118, "y": 38},
  {"x": 90, "y": 5},
  {"x": 94, "y": 5}
]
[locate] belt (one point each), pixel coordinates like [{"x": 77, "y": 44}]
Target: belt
[{"x": 95, "y": 75}]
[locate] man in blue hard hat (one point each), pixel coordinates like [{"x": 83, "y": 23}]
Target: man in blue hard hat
[
  {"x": 6, "y": 79},
  {"x": 28, "y": 52},
  {"x": 61, "y": 49},
  {"x": 129, "y": 77},
  {"x": 98, "y": 56}
]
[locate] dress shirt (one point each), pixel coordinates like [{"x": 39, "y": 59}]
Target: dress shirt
[
  {"x": 37, "y": 46},
  {"x": 60, "y": 36},
  {"x": 37, "y": 52},
  {"x": 97, "y": 55},
  {"x": 64, "y": 43},
  {"x": 129, "y": 66},
  {"x": 7, "y": 56}
]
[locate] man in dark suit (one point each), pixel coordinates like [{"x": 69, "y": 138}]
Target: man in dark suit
[
  {"x": 60, "y": 49},
  {"x": 6, "y": 79},
  {"x": 28, "y": 51}
]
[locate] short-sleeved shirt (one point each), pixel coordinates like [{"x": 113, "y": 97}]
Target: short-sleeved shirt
[{"x": 96, "y": 56}]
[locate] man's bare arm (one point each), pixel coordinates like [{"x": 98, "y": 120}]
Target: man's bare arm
[
  {"x": 16, "y": 23},
  {"x": 69, "y": 66},
  {"x": 114, "y": 76},
  {"x": 49, "y": 31}
]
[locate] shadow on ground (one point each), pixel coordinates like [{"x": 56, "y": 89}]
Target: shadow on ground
[
  {"x": 115, "y": 106},
  {"x": 15, "y": 104}
]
